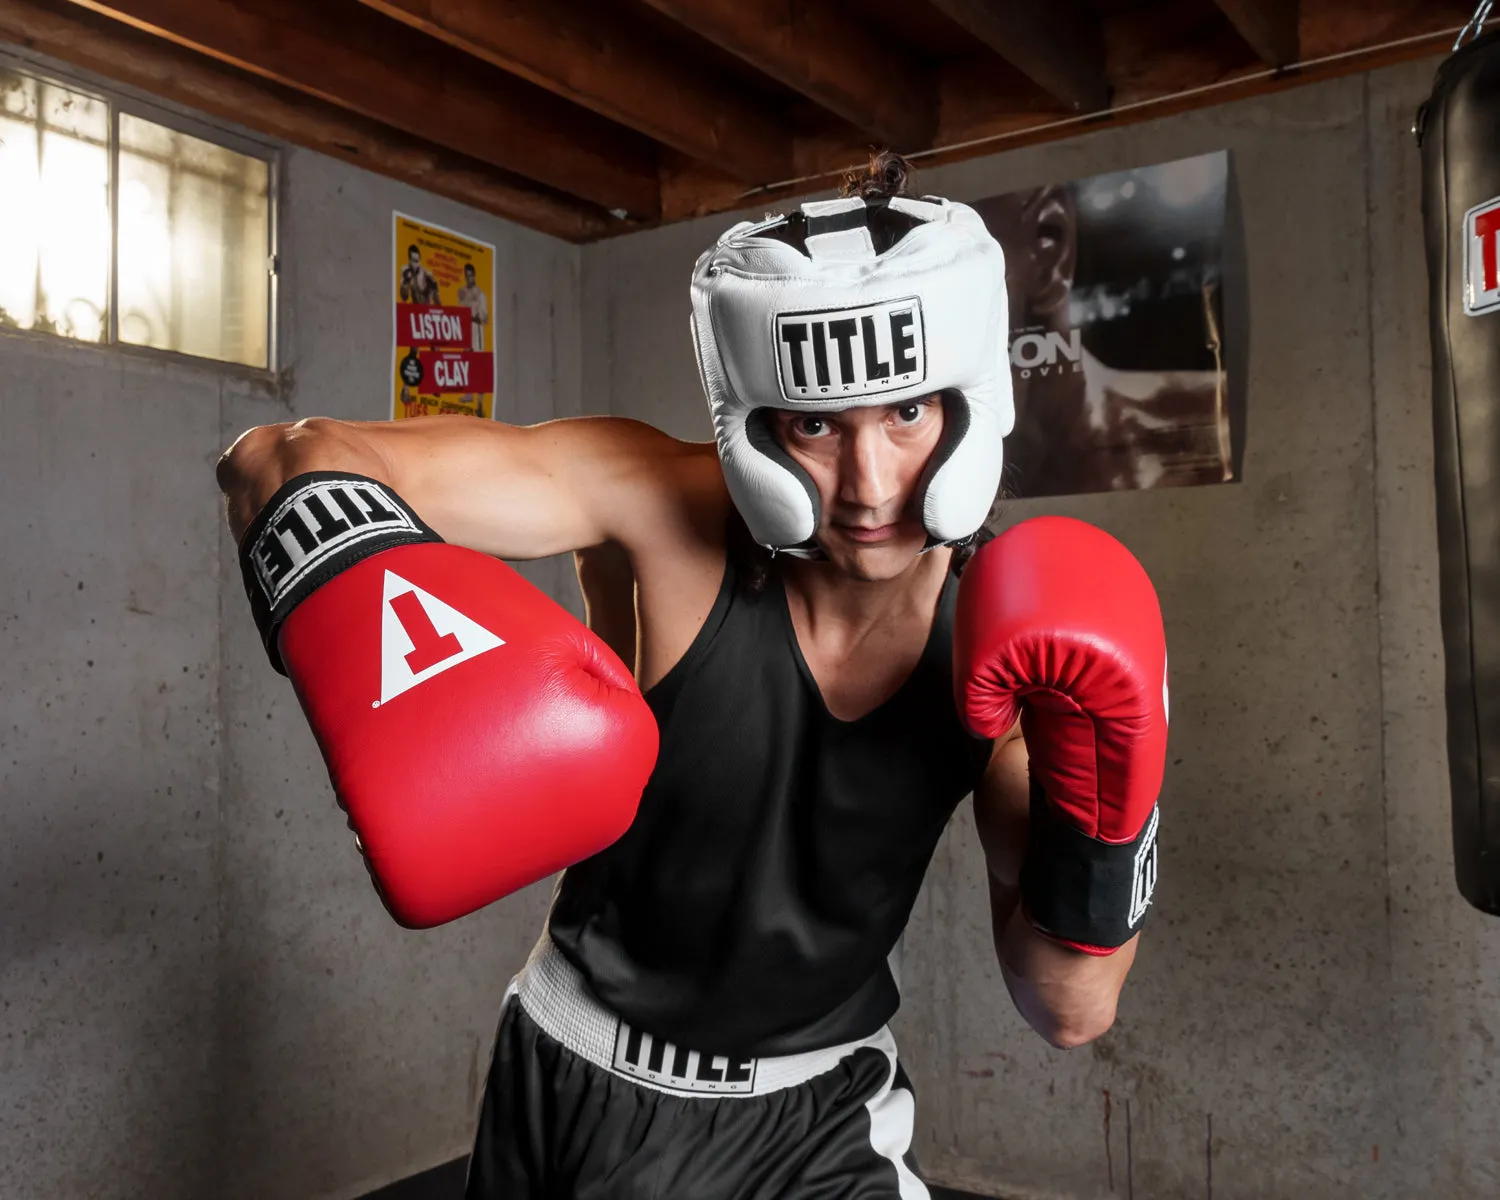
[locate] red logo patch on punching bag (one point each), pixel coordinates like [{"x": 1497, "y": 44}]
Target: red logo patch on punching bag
[{"x": 1482, "y": 257}]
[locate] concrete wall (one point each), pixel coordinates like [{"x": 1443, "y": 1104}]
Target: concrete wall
[
  {"x": 200, "y": 996},
  {"x": 109, "y": 773},
  {"x": 199, "y": 993},
  {"x": 353, "y": 1051},
  {"x": 1314, "y": 1008}
]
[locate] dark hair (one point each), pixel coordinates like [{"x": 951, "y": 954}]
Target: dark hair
[
  {"x": 965, "y": 549},
  {"x": 414, "y": 249},
  {"x": 885, "y": 175},
  {"x": 754, "y": 561}
]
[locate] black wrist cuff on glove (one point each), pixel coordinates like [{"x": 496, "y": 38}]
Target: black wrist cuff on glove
[
  {"x": 316, "y": 525},
  {"x": 1078, "y": 889}
]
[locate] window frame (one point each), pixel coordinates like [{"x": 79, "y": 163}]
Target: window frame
[{"x": 121, "y": 98}]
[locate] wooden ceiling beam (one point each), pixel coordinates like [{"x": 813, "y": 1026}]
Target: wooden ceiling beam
[
  {"x": 1337, "y": 26},
  {"x": 1170, "y": 66},
  {"x": 1058, "y": 45},
  {"x": 345, "y": 55},
  {"x": 595, "y": 56},
  {"x": 162, "y": 69},
  {"x": 823, "y": 51},
  {"x": 1268, "y": 26}
]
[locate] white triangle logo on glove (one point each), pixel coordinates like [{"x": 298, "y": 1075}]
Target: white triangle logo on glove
[{"x": 420, "y": 637}]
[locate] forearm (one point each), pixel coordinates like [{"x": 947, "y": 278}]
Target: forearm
[
  {"x": 515, "y": 492},
  {"x": 1067, "y": 996},
  {"x": 1082, "y": 654}
]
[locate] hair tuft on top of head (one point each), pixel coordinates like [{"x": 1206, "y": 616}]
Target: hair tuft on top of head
[{"x": 885, "y": 175}]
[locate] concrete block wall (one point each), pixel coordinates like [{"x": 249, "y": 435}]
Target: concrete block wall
[
  {"x": 199, "y": 993},
  {"x": 200, "y": 996},
  {"x": 354, "y": 1051},
  {"x": 109, "y": 773}
]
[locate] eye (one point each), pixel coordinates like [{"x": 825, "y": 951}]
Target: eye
[
  {"x": 910, "y": 414},
  {"x": 810, "y": 427}
]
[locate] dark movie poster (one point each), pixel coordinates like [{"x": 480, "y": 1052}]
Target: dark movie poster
[{"x": 1116, "y": 307}]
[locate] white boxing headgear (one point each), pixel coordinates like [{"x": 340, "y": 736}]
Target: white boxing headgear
[{"x": 815, "y": 311}]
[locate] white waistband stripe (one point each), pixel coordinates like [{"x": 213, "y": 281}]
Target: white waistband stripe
[{"x": 554, "y": 995}]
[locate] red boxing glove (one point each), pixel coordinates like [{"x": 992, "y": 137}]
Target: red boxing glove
[
  {"x": 478, "y": 736},
  {"x": 1058, "y": 622}
]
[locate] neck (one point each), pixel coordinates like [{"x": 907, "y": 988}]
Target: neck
[{"x": 828, "y": 600}]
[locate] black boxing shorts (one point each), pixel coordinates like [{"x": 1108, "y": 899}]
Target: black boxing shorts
[{"x": 581, "y": 1105}]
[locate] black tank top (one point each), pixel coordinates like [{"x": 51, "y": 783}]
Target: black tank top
[{"x": 777, "y": 852}]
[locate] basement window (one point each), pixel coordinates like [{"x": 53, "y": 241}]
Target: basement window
[{"x": 127, "y": 225}]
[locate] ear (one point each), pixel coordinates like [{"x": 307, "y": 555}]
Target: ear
[{"x": 1052, "y": 223}]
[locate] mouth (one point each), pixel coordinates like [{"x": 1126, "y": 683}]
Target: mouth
[{"x": 869, "y": 534}]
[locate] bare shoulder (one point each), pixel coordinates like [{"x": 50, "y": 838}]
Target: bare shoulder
[
  {"x": 677, "y": 548},
  {"x": 688, "y": 499},
  {"x": 676, "y": 536}
]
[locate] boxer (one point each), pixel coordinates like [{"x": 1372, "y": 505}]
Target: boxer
[
  {"x": 472, "y": 297},
  {"x": 823, "y": 662},
  {"x": 417, "y": 284}
]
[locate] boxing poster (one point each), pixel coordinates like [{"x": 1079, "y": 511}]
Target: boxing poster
[
  {"x": 1117, "y": 339},
  {"x": 445, "y": 325}
]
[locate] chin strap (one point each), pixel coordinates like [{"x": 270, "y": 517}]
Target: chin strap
[
  {"x": 812, "y": 552},
  {"x": 809, "y": 550}
]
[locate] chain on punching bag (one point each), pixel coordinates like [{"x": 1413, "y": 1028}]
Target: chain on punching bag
[{"x": 1458, "y": 129}]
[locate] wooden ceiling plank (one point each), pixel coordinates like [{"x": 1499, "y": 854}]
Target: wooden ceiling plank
[
  {"x": 376, "y": 68},
  {"x": 1335, "y": 26},
  {"x": 1058, "y": 45},
  {"x": 826, "y": 53},
  {"x": 162, "y": 69},
  {"x": 1164, "y": 83},
  {"x": 1270, "y": 27},
  {"x": 598, "y": 58}
]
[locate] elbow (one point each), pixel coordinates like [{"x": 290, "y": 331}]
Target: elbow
[
  {"x": 1070, "y": 1037},
  {"x": 263, "y": 458},
  {"x": 1078, "y": 1031},
  {"x": 276, "y": 450},
  {"x": 246, "y": 457}
]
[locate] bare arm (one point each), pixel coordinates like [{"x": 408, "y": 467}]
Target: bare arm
[
  {"x": 1065, "y": 995},
  {"x": 608, "y": 584},
  {"x": 513, "y": 491}
]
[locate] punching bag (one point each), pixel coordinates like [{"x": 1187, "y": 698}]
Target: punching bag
[{"x": 1458, "y": 130}]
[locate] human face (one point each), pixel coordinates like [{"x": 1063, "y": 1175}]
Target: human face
[
  {"x": 415, "y": 258},
  {"x": 865, "y": 463}
]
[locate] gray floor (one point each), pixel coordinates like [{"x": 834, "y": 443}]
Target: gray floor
[{"x": 447, "y": 1183}]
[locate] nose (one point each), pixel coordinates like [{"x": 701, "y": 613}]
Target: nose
[{"x": 868, "y": 470}]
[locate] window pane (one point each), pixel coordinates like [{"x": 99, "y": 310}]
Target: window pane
[
  {"x": 194, "y": 245},
  {"x": 54, "y": 208}
]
